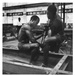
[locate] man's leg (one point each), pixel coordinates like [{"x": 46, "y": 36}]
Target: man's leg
[
  {"x": 32, "y": 49},
  {"x": 46, "y": 54},
  {"x": 35, "y": 54}
]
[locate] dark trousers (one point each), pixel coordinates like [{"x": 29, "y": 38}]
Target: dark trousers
[
  {"x": 46, "y": 54},
  {"x": 35, "y": 54},
  {"x": 53, "y": 47}
]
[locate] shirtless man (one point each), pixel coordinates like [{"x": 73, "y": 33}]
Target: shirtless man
[{"x": 26, "y": 36}]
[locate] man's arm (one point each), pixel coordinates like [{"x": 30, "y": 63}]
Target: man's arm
[
  {"x": 31, "y": 37},
  {"x": 39, "y": 36},
  {"x": 49, "y": 33}
]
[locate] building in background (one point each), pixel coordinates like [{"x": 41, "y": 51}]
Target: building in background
[{"x": 12, "y": 11}]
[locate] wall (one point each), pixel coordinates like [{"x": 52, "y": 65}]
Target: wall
[{"x": 25, "y": 18}]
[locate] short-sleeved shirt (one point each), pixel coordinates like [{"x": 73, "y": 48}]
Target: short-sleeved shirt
[{"x": 56, "y": 27}]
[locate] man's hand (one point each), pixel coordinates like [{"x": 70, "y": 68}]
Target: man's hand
[
  {"x": 49, "y": 33},
  {"x": 34, "y": 44}
]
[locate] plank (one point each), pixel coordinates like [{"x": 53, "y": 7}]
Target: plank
[{"x": 56, "y": 68}]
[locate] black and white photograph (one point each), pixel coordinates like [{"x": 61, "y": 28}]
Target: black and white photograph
[{"x": 37, "y": 38}]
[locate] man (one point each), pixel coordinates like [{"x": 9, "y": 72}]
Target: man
[
  {"x": 19, "y": 24},
  {"x": 55, "y": 33},
  {"x": 26, "y": 36}
]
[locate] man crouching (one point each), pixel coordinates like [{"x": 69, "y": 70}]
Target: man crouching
[{"x": 26, "y": 35}]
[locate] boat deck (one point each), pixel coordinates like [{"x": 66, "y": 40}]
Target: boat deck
[{"x": 18, "y": 61}]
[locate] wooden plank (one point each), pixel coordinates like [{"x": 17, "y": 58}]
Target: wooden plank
[
  {"x": 56, "y": 68},
  {"x": 64, "y": 66},
  {"x": 64, "y": 72},
  {"x": 19, "y": 69},
  {"x": 59, "y": 54},
  {"x": 25, "y": 63},
  {"x": 47, "y": 70},
  {"x": 9, "y": 61}
]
